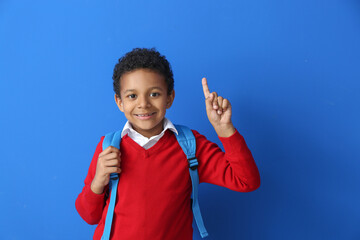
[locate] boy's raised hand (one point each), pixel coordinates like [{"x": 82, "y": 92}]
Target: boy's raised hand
[
  {"x": 218, "y": 110},
  {"x": 108, "y": 162}
]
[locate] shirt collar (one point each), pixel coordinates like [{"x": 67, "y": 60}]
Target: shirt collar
[{"x": 167, "y": 125}]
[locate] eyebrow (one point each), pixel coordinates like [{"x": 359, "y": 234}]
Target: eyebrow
[{"x": 133, "y": 90}]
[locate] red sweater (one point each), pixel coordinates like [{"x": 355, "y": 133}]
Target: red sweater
[{"x": 153, "y": 197}]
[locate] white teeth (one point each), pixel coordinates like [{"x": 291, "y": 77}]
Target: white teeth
[{"x": 144, "y": 115}]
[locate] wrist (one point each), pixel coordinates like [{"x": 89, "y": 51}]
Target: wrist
[
  {"x": 225, "y": 130},
  {"x": 95, "y": 188}
]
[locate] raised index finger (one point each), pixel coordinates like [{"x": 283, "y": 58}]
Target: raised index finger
[{"x": 205, "y": 88}]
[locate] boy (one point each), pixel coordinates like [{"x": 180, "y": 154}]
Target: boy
[{"x": 153, "y": 198}]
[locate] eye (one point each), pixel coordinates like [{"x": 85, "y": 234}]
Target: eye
[
  {"x": 131, "y": 96},
  {"x": 154, "y": 94}
]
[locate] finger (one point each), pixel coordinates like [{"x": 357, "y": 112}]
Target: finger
[
  {"x": 208, "y": 102},
  {"x": 113, "y": 170},
  {"x": 215, "y": 101},
  {"x": 205, "y": 87},
  {"x": 110, "y": 156},
  {"x": 225, "y": 104},
  {"x": 113, "y": 149},
  {"x": 109, "y": 150},
  {"x": 112, "y": 163},
  {"x": 220, "y": 103}
]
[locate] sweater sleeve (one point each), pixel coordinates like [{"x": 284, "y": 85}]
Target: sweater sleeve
[
  {"x": 89, "y": 204},
  {"x": 234, "y": 169}
]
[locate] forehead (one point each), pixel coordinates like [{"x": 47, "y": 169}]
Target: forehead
[{"x": 141, "y": 79}]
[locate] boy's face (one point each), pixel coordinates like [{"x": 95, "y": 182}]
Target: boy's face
[{"x": 144, "y": 100}]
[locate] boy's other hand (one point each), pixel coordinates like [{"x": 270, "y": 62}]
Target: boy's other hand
[
  {"x": 108, "y": 162},
  {"x": 218, "y": 110}
]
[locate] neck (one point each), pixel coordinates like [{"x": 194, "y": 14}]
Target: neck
[{"x": 150, "y": 132}]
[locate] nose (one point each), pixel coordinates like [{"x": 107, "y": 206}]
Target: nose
[{"x": 143, "y": 102}]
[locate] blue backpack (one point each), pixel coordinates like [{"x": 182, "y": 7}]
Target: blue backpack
[{"x": 186, "y": 140}]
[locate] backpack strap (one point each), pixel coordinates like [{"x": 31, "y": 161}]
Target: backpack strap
[
  {"x": 187, "y": 142},
  {"x": 111, "y": 139}
]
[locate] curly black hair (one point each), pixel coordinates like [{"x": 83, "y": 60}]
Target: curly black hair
[{"x": 147, "y": 58}]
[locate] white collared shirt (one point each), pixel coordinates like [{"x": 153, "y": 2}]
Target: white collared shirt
[{"x": 144, "y": 141}]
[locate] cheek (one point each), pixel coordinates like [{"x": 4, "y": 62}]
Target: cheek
[
  {"x": 126, "y": 108},
  {"x": 162, "y": 104}
]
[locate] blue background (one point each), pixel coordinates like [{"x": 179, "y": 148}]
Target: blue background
[{"x": 291, "y": 70}]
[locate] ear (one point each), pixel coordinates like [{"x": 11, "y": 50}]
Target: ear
[
  {"x": 170, "y": 99},
  {"x": 119, "y": 103}
]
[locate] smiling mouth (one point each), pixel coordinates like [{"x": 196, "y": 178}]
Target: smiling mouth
[{"x": 145, "y": 116}]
